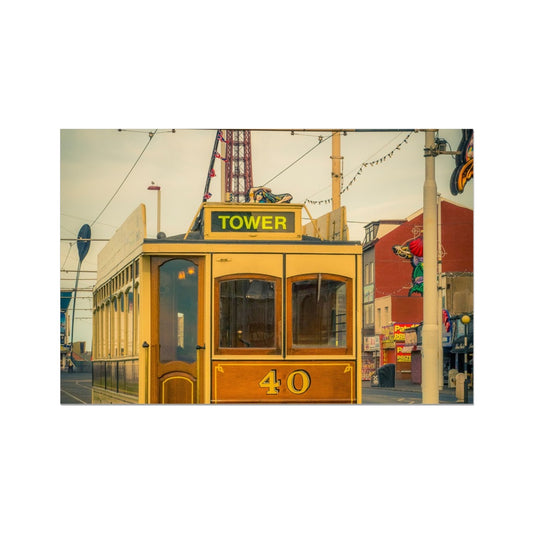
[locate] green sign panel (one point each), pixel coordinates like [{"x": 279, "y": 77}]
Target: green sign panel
[{"x": 252, "y": 221}]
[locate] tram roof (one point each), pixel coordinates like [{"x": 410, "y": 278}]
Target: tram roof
[{"x": 195, "y": 236}]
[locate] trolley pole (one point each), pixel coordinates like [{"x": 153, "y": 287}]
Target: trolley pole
[{"x": 431, "y": 336}]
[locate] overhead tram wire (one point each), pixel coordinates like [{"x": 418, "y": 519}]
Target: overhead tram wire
[
  {"x": 296, "y": 161},
  {"x": 151, "y": 135}
]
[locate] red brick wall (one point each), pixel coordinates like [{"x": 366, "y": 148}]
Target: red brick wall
[
  {"x": 457, "y": 238},
  {"x": 407, "y": 309},
  {"x": 393, "y": 274}
]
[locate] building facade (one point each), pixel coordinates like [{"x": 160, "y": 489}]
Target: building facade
[{"x": 393, "y": 281}]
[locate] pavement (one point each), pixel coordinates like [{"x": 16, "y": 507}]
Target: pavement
[
  {"x": 446, "y": 395},
  {"x": 76, "y": 388}
]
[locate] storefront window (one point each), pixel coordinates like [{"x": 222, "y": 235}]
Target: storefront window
[{"x": 247, "y": 313}]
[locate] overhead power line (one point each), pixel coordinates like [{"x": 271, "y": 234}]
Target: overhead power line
[
  {"x": 294, "y": 162},
  {"x": 150, "y": 137}
]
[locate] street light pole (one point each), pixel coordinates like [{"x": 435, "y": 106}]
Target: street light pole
[
  {"x": 158, "y": 189},
  {"x": 431, "y": 336}
]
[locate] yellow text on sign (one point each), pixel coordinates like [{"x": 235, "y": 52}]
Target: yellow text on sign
[
  {"x": 273, "y": 384},
  {"x": 261, "y": 222}
]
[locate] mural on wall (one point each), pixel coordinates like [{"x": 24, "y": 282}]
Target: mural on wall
[
  {"x": 464, "y": 163},
  {"x": 413, "y": 250}
]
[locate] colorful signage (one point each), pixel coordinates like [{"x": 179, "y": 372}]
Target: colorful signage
[
  {"x": 399, "y": 331},
  {"x": 403, "y": 354},
  {"x": 396, "y": 332},
  {"x": 252, "y": 220},
  {"x": 464, "y": 161},
  {"x": 371, "y": 344},
  {"x": 413, "y": 250},
  {"x": 278, "y": 221}
]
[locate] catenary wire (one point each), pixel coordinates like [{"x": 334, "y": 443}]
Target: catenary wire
[
  {"x": 150, "y": 137},
  {"x": 296, "y": 161}
]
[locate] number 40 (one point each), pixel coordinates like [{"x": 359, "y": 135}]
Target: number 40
[{"x": 272, "y": 383}]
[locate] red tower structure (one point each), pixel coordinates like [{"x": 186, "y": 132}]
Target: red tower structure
[{"x": 238, "y": 166}]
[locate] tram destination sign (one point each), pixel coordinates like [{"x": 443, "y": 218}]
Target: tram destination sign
[
  {"x": 252, "y": 222},
  {"x": 237, "y": 221}
]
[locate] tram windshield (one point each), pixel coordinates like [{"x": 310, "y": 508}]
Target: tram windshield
[
  {"x": 319, "y": 313},
  {"x": 247, "y": 314}
]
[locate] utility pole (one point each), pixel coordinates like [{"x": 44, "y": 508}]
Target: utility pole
[
  {"x": 439, "y": 291},
  {"x": 336, "y": 170},
  {"x": 431, "y": 336}
]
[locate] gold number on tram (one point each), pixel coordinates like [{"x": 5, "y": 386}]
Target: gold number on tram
[
  {"x": 271, "y": 382},
  {"x": 306, "y": 381}
]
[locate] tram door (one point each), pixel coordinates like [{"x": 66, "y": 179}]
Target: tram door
[{"x": 176, "y": 330}]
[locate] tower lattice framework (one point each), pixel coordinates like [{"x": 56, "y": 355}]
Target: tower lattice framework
[{"x": 238, "y": 166}]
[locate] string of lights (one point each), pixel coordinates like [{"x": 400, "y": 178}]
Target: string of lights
[{"x": 360, "y": 171}]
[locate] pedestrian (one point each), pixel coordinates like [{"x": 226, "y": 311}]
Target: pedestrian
[{"x": 70, "y": 366}]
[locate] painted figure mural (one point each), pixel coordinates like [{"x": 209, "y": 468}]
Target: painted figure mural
[{"x": 414, "y": 251}]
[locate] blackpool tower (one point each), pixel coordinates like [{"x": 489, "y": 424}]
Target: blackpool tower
[{"x": 237, "y": 169}]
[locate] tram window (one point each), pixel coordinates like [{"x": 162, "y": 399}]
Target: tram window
[
  {"x": 247, "y": 314},
  {"x": 320, "y": 314},
  {"x": 178, "y": 311},
  {"x": 129, "y": 341}
]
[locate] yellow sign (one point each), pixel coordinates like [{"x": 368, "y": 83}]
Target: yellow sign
[
  {"x": 247, "y": 221},
  {"x": 252, "y": 221}
]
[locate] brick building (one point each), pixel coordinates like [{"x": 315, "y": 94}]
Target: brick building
[{"x": 392, "y": 280}]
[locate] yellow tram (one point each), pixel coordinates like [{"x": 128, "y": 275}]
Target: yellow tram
[{"x": 249, "y": 310}]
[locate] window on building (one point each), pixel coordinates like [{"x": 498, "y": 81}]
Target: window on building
[
  {"x": 371, "y": 232},
  {"x": 369, "y": 274},
  {"x": 368, "y": 315}
]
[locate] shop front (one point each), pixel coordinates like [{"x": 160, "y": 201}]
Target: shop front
[
  {"x": 395, "y": 349},
  {"x": 371, "y": 356},
  {"x": 462, "y": 349}
]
